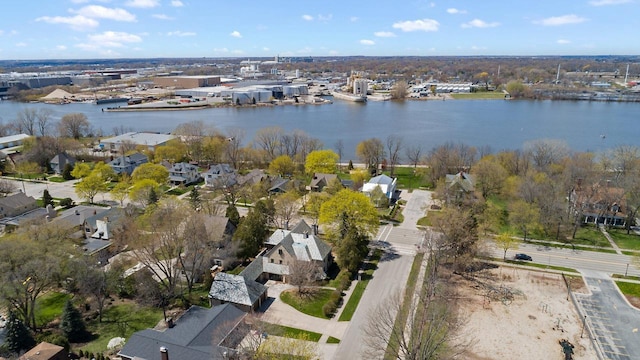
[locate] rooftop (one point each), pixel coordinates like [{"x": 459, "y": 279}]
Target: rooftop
[{"x": 139, "y": 138}]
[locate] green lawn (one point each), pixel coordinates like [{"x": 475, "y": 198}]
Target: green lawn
[
  {"x": 120, "y": 320},
  {"x": 56, "y": 179},
  {"x": 351, "y": 305},
  {"x": 49, "y": 306},
  {"x": 624, "y": 241},
  {"x": 629, "y": 288},
  {"x": 293, "y": 333},
  {"x": 424, "y": 221},
  {"x": 332, "y": 340},
  {"x": 590, "y": 235},
  {"x": 410, "y": 178},
  {"x": 482, "y": 95},
  {"x": 311, "y": 304}
]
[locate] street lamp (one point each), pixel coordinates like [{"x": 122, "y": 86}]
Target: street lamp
[
  {"x": 584, "y": 320},
  {"x": 626, "y": 270}
]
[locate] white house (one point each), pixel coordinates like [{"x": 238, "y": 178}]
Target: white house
[
  {"x": 148, "y": 140},
  {"x": 183, "y": 174},
  {"x": 219, "y": 175},
  {"x": 387, "y": 185}
]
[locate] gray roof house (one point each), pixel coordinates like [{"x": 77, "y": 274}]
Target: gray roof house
[
  {"x": 16, "y": 204},
  {"x": 319, "y": 181},
  {"x": 126, "y": 164},
  {"x": 459, "y": 186},
  {"x": 386, "y": 184},
  {"x": 59, "y": 161},
  {"x": 246, "y": 294},
  {"x": 220, "y": 175},
  {"x": 199, "y": 334},
  {"x": 150, "y": 140},
  {"x": 183, "y": 174}
]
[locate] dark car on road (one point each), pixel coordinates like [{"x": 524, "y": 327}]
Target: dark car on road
[{"x": 523, "y": 257}]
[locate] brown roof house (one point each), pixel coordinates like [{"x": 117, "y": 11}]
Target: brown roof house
[
  {"x": 320, "y": 180},
  {"x": 599, "y": 204},
  {"x": 459, "y": 187},
  {"x": 16, "y": 204},
  {"x": 46, "y": 351}
]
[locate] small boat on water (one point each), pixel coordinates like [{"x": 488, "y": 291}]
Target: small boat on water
[
  {"x": 349, "y": 97},
  {"x": 111, "y": 100}
]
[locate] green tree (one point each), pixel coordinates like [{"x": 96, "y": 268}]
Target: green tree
[
  {"x": 351, "y": 250},
  {"x": 194, "y": 198},
  {"x": 251, "y": 233},
  {"x": 18, "y": 337},
  {"x": 506, "y": 241},
  {"x": 47, "y": 199},
  {"x": 524, "y": 216},
  {"x": 120, "y": 191},
  {"x": 140, "y": 191},
  {"x": 489, "y": 176},
  {"x": 379, "y": 198},
  {"x": 81, "y": 170},
  {"x": 282, "y": 165},
  {"x": 66, "y": 172},
  {"x": 321, "y": 161},
  {"x": 72, "y": 324},
  {"x": 90, "y": 186},
  {"x": 232, "y": 214},
  {"x": 155, "y": 172},
  {"x": 153, "y": 197},
  {"x": 371, "y": 152},
  {"x": 104, "y": 171},
  {"x": 349, "y": 209},
  {"x": 175, "y": 151}
]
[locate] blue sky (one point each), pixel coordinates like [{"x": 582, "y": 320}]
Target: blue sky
[{"x": 70, "y": 29}]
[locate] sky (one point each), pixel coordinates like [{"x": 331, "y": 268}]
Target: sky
[{"x": 87, "y": 29}]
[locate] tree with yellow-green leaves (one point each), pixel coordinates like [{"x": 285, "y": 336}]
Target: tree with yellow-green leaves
[
  {"x": 282, "y": 165},
  {"x": 81, "y": 170},
  {"x": 142, "y": 190},
  {"x": 321, "y": 161},
  {"x": 158, "y": 173},
  {"x": 120, "y": 191},
  {"x": 174, "y": 151},
  {"x": 346, "y": 210},
  {"x": 90, "y": 186},
  {"x": 104, "y": 171},
  {"x": 506, "y": 241}
]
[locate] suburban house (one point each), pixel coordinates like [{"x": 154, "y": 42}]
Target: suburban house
[
  {"x": 279, "y": 185},
  {"x": 219, "y": 176},
  {"x": 599, "y": 204},
  {"x": 45, "y": 351},
  {"x": 386, "y": 184},
  {"x": 199, "y": 334},
  {"x": 183, "y": 174},
  {"x": 459, "y": 186},
  {"x": 16, "y": 204},
  {"x": 126, "y": 164},
  {"x": 132, "y": 140},
  {"x": 319, "y": 181},
  {"x": 12, "y": 143},
  {"x": 98, "y": 232},
  {"x": 253, "y": 177},
  {"x": 59, "y": 161},
  {"x": 221, "y": 230},
  {"x": 248, "y": 295},
  {"x": 284, "y": 247}
]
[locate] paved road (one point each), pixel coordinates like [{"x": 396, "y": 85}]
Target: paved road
[{"x": 613, "y": 322}]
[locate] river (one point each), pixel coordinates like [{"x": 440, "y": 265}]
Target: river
[{"x": 584, "y": 125}]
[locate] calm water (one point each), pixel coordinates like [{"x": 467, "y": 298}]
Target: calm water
[{"x": 499, "y": 124}]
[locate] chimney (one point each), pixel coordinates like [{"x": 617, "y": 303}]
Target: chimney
[
  {"x": 164, "y": 353},
  {"x": 306, "y": 234},
  {"x": 286, "y": 225}
]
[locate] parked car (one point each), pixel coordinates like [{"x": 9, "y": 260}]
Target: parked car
[{"x": 523, "y": 257}]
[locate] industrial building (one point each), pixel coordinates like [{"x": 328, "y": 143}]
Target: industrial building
[
  {"x": 149, "y": 140},
  {"x": 186, "y": 82}
]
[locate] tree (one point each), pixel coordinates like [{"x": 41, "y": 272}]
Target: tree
[
  {"x": 66, "y": 172},
  {"x": 349, "y": 209},
  {"x": 18, "y": 337},
  {"x": 141, "y": 190},
  {"x": 399, "y": 90},
  {"x": 282, "y": 165},
  {"x": 155, "y": 172},
  {"x": 394, "y": 145},
  {"x": 104, "y": 171},
  {"x": 379, "y": 198},
  {"x": 414, "y": 154},
  {"x": 339, "y": 145},
  {"x": 321, "y": 161},
  {"x": 232, "y": 214},
  {"x": 286, "y": 206},
  {"x": 506, "y": 241},
  {"x": 524, "y": 216},
  {"x": 72, "y": 324},
  {"x": 98, "y": 283},
  {"x": 81, "y": 170},
  {"x": 268, "y": 140},
  {"x": 194, "y": 198},
  {"x": 46, "y": 198},
  {"x": 233, "y": 150},
  {"x": 26, "y": 121},
  {"x": 120, "y": 191},
  {"x": 359, "y": 177},
  {"x": 7, "y": 187},
  {"x": 370, "y": 152},
  {"x": 74, "y": 125},
  {"x": 458, "y": 235},
  {"x": 351, "y": 249},
  {"x": 303, "y": 274},
  {"x": 43, "y": 118},
  {"x": 90, "y": 186},
  {"x": 251, "y": 233},
  {"x": 174, "y": 151},
  {"x": 517, "y": 89},
  {"x": 489, "y": 176}
]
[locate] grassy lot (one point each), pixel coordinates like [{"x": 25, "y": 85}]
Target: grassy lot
[
  {"x": 590, "y": 235},
  {"x": 425, "y": 221},
  {"x": 631, "y": 241},
  {"x": 401, "y": 318},
  {"x": 120, "y": 320},
  {"x": 310, "y": 304},
  {"x": 49, "y": 307},
  {"x": 628, "y": 277},
  {"x": 410, "y": 178},
  {"x": 483, "y": 95},
  {"x": 293, "y": 333},
  {"x": 629, "y": 289},
  {"x": 351, "y": 305},
  {"x": 56, "y": 179},
  {"x": 332, "y": 340}
]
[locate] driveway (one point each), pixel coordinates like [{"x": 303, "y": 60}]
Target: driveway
[{"x": 613, "y": 322}]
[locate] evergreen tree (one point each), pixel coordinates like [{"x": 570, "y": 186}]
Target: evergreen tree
[
  {"x": 251, "y": 234},
  {"x": 350, "y": 167},
  {"x": 18, "y": 336},
  {"x": 232, "y": 214},
  {"x": 66, "y": 172},
  {"x": 351, "y": 250},
  {"x": 194, "y": 198},
  {"x": 47, "y": 199},
  {"x": 72, "y": 324},
  {"x": 153, "y": 197}
]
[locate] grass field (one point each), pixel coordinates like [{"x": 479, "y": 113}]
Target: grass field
[
  {"x": 293, "y": 333},
  {"x": 624, "y": 241},
  {"x": 311, "y": 304},
  {"x": 49, "y": 307},
  {"x": 629, "y": 289}
]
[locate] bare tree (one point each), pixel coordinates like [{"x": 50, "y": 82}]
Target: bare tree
[
  {"x": 74, "y": 125},
  {"x": 546, "y": 152},
  {"x": 7, "y": 187},
  {"x": 286, "y": 206},
  {"x": 268, "y": 140},
  {"x": 339, "y": 146},
  {"x": 414, "y": 153},
  {"x": 303, "y": 274},
  {"x": 26, "y": 120},
  {"x": 43, "y": 118},
  {"x": 394, "y": 145},
  {"x": 371, "y": 152},
  {"x": 234, "y": 146}
]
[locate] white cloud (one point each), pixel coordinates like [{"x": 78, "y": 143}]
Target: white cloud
[
  {"x": 325, "y": 17},
  {"x": 266, "y": 49},
  {"x": 563, "y": 41},
  {"x": 354, "y": 18},
  {"x": 307, "y": 17},
  {"x": 384, "y": 34},
  {"x": 236, "y": 34},
  {"x": 561, "y": 20},
  {"x": 456, "y": 11},
  {"x": 177, "y": 3},
  {"x": 21, "y": 44},
  {"x": 114, "y": 38},
  {"x": 61, "y": 47},
  {"x": 142, "y": 3},
  {"x": 78, "y": 22},
  {"x": 608, "y": 2},
  {"x": 181, "y": 33},
  {"x": 86, "y": 1},
  {"x": 162, "y": 16},
  {"x": 417, "y": 25},
  {"x": 367, "y": 42},
  {"x": 477, "y": 23},
  {"x": 101, "y": 12}
]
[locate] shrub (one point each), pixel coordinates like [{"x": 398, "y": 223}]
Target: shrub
[
  {"x": 66, "y": 202},
  {"x": 335, "y": 295},
  {"x": 329, "y": 308}
]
